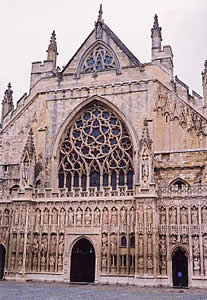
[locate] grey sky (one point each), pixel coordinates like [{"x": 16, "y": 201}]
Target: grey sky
[{"x": 26, "y": 26}]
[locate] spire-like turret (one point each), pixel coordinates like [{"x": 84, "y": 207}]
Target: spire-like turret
[
  {"x": 7, "y": 102},
  {"x": 52, "y": 49},
  {"x": 156, "y": 34},
  {"x": 99, "y": 24},
  {"x": 204, "y": 83},
  {"x": 162, "y": 56}
]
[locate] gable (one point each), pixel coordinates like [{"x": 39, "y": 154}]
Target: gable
[{"x": 116, "y": 55}]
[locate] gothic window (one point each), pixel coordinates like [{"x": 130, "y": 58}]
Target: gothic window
[
  {"x": 179, "y": 184},
  {"x": 132, "y": 241},
  {"x": 99, "y": 59},
  {"x": 123, "y": 241},
  {"x": 96, "y": 151}
]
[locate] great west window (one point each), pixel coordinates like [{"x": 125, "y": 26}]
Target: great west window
[{"x": 96, "y": 151}]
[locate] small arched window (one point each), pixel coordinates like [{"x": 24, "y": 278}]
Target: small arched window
[
  {"x": 123, "y": 241},
  {"x": 132, "y": 241},
  {"x": 179, "y": 184}
]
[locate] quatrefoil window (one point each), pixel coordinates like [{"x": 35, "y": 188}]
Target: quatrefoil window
[
  {"x": 96, "y": 150},
  {"x": 99, "y": 59}
]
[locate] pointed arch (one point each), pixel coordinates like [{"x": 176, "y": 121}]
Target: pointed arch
[
  {"x": 92, "y": 55},
  {"x": 70, "y": 132}
]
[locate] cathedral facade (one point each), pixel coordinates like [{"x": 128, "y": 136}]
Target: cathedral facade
[{"x": 103, "y": 174}]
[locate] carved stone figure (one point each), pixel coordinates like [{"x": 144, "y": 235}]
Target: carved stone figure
[
  {"x": 149, "y": 215},
  {"x": 46, "y": 216},
  {"x": 140, "y": 215},
  {"x": 173, "y": 239},
  {"x": 14, "y": 243},
  {"x": 149, "y": 262},
  {"x": 105, "y": 216},
  {"x": 184, "y": 215},
  {"x": 114, "y": 216},
  {"x": 52, "y": 263},
  {"x": 204, "y": 215},
  {"x": 79, "y": 216},
  {"x": 35, "y": 245},
  {"x": 173, "y": 215},
  {"x": 149, "y": 245},
  {"x": 113, "y": 244},
  {"x": 62, "y": 217},
  {"x": 54, "y": 216},
  {"x": 44, "y": 245},
  {"x": 194, "y": 215},
  {"x": 70, "y": 217},
  {"x": 196, "y": 250},
  {"x": 141, "y": 262},
  {"x": 21, "y": 244},
  {"x": 88, "y": 216},
  {"x": 61, "y": 245},
  {"x": 53, "y": 244},
  {"x": 132, "y": 216},
  {"x": 97, "y": 217},
  {"x": 184, "y": 239},
  {"x": 162, "y": 216},
  {"x": 141, "y": 245},
  {"x": 104, "y": 261},
  {"x": 104, "y": 244},
  {"x": 123, "y": 215},
  {"x": 38, "y": 217},
  {"x": 163, "y": 250}
]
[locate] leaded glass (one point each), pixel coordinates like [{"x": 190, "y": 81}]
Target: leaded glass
[
  {"x": 99, "y": 59},
  {"x": 95, "y": 150}
]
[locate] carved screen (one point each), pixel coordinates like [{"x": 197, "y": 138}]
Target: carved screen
[
  {"x": 96, "y": 151},
  {"x": 99, "y": 59}
]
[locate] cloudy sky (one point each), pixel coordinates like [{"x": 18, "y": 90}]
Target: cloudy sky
[{"x": 26, "y": 26}]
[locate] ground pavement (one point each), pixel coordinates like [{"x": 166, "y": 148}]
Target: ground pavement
[{"x": 11, "y": 290}]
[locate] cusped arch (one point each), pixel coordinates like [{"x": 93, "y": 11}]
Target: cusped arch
[
  {"x": 92, "y": 48},
  {"x": 69, "y": 121}
]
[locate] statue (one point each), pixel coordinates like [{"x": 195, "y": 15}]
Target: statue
[
  {"x": 70, "y": 217},
  {"x": 88, "y": 216},
  {"x": 104, "y": 244},
  {"x": 79, "y": 216},
  {"x": 184, "y": 216},
  {"x": 54, "y": 216},
  {"x": 113, "y": 244},
  {"x": 61, "y": 245},
  {"x": 123, "y": 216},
  {"x": 173, "y": 215},
  {"x": 194, "y": 215},
  {"x": 46, "y": 216},
  {"x": 21, "y": 244},
  {"x": 149, "y": 215},
  {"x": 105, "y": 216},
  {"x": 44, "y": 245},
  {"x": 35, "y": 245},
  {"x": 140, "y": 215},
  {"x": 132, "y": 216},
  {"x": 53, "y": 244},
  {"x": 114, "y": 216},
  {"x": 162, "y": 217},
  {"x": 97, "y": 217},
  {"x": 163, "y": 250}
]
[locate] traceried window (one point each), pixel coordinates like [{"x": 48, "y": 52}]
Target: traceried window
[
  {"x": 96, "y": 151},
  {"x": 99, "y": 59}
]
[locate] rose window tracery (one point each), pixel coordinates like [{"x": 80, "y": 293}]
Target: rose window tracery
[
  {"x": 99, "y": 59},
  {"x": 96, "y": 150}
]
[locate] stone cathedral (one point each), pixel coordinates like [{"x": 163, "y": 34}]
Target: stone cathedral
[{"x": 103, "y": 169}]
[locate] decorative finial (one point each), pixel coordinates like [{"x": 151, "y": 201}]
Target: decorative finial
[
  {"x": 99, "y": 24},
  {"x": 205, "y": 66},
  {"x": 156, "y": 29},
  {"x": 100, "y": 14},
  {"x": 8, "y": 98},
  {"x": 53, "y": 44}
]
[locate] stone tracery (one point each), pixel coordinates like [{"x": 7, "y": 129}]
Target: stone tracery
[{"x": 96, "y": 151}]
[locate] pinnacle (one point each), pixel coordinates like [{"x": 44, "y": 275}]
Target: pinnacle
[
  {"x": 53, "y": 44},
  {"x": 100, "y": 14}
]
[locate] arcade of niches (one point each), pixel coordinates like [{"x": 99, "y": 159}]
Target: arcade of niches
[{"x": 103, "y": 169}]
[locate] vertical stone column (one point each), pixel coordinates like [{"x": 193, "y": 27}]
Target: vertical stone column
[
  {"x": 190, "y": 271},
  {"x": 200, "y": 241},
  {"x": 25, "y": 241}
]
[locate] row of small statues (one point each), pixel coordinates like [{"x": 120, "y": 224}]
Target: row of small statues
[{"x": 183, "y": 216}]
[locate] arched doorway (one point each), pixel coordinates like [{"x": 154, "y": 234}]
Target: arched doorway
[
  {"x": 82, "y": 262},
  {"x": 2, "y": 261},
  {"x": 180, "y": 268}
]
